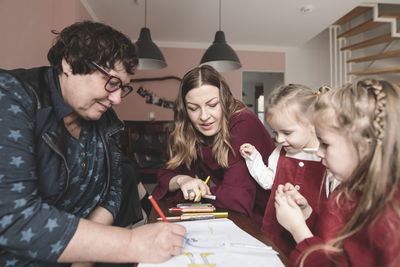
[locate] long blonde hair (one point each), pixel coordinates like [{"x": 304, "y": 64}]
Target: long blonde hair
[
  {"x": 367, "y": 112},
  {"x": 185, "y": 141}
]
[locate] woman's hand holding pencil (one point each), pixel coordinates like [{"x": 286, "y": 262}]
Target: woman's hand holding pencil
[
  {"x": 192, "y": 186},
  {"x": 198, "y": 195},
  {"x": 158, "y": 241}
]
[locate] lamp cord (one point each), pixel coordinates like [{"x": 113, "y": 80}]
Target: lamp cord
[
  {"x": 219, "y": 15},
  {"x": 145, "y": 13}
]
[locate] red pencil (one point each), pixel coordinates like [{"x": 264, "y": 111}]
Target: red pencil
[
  {"x": 159, "y": 211},
  {"x": 193, "y": 209}
]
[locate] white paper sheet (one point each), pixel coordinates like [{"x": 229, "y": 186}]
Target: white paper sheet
[{"x": 220, "y": 242}]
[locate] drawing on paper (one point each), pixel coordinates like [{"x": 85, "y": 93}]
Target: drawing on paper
[{"x": 203, "y": 256}]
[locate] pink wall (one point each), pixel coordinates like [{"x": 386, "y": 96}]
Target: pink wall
[
  {"x": 25, "y": 27},
  {"x": 181, "y": 60}
]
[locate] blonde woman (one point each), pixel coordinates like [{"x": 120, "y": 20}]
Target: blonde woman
[
  {"x": 210, "y": 126},
  {"x": 357, "y": 126}
]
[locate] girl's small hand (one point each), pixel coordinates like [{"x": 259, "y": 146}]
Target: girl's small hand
[
  {"x": 246, "y": 150},
  {"x": 290, "y": 216},
  {"x": 290, "y": 191},
  {"x": 191, "y": 186},
  {"x": 288, "y": 213}
]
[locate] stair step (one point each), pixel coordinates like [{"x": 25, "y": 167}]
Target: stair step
[
  {"x": 375, "y": 71},
  {"x": 373, "y": 41},
  {"x": 351, "y": 15},
  {"x": 363, "y": 27},
  {"x": 388, "y": 54},
  {"x": 390, "y": 15}
]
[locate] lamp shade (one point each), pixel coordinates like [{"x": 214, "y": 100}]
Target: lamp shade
[
  {"x": 220, "y": 55},
  {"x": 150, "y": 56}
]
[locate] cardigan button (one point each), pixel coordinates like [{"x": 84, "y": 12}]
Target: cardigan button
[{"x": 301, "y": 164}]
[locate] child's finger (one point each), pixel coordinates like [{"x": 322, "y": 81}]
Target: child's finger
[
  {"x": 280, "y": 189},
  {"x": 288, "y": 187},
  {"x": 243, "y": 146},
  {"x": 299, "y": 200},
  {"x": 291, "y": 202},
  {"x": 276, "y": 204},
  {"x": 278, "y": 201},
  {"x": 302, "y": 202}
]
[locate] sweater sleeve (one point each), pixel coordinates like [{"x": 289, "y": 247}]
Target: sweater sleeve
[
  {"x": 367, "y": 247},
  {"x": 28, "y": 227},
  {"x": 164, "y": 177},
  {"x": 112, "y": 202},
  {"x": 263, "y": 175},
  {"x": 317, "y": 258},
  {"x": 237, "y": 189}
]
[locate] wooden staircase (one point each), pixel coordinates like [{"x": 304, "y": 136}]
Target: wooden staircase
[
  {"x": 369, "y": 38},
  {"x": 388, "y": 54}
]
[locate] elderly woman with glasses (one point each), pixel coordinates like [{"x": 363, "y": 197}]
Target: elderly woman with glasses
[{"x": 60, "y": 174}]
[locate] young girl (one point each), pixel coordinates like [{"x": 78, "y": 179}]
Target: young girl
[
  {"x": 357, "y": 126},
  {"x": 294, "y": 160}
]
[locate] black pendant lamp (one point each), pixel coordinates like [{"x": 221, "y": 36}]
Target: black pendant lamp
[
  {"x": 150, "y": 56},
  {"x": 220, "y": 55}
]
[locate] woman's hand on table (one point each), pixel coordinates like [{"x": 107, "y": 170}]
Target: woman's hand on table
[{"x": 191, "y": 186}]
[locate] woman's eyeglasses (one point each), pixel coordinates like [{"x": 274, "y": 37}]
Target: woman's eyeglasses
[{"x": 113, "y": 83}]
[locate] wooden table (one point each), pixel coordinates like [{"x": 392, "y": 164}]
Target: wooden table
[{"x": 241, "y": 220}]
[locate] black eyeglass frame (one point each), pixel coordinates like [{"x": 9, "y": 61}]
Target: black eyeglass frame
[{"x": 125, "y": 89}]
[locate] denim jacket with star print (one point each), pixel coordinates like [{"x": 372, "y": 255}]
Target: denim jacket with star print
[
  {"x": 36, "y": 82},
  {"x": 33, "y": 151}
]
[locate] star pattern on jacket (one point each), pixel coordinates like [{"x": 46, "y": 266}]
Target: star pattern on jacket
[
  {"x": 37, "y": 231},
  {"x": 27, "y": 235},
  {"x": 51, "y": 224}
]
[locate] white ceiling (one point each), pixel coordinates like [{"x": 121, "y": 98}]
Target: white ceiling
[{"x": 248, "y": 24}]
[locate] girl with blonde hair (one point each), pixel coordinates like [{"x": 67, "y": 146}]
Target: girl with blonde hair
[
  {"x": 210, "y": 126},
  {"x": 357, "y": 126},
  {"x": 293, "y": 161}
]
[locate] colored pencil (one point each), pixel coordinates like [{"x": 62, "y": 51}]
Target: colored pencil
[
  {"x": 221, "y": 214},
  {"x": 191, "y": 204},
  {"x": 193, "y": 209},
  {"x": 210, "y": 197},
  {"x": 185, "y": 217},
  {"x": 159, "y": 211},
  {"x": 198, "y": 196}
]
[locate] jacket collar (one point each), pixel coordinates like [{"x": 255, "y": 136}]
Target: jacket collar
[{"x": 61, "y": 108}]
